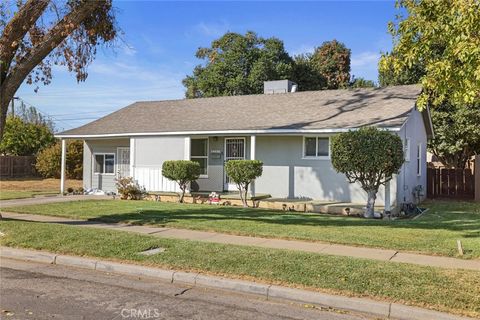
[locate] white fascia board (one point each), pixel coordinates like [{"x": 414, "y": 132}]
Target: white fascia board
[{"x": 220, "y": 132}]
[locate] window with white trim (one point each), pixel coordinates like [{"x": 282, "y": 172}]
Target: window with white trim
[
  {"x": 406, "y": 149},
  {"x": 104, "y": 163},
  {"x": 419, "y": 159},
  {"x": 199, "y": 153},
  {"x": 316, "y": 147}
]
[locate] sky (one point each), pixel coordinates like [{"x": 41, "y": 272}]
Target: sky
[{"x": 159, "y": 41}]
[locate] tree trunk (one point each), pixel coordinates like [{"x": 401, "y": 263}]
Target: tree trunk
[
  {"x": 372, "y": 196},
  {"x": 245, "y": 195},
  {"x": 3, "y": 115},
  {"x": 182, "y": 195}
]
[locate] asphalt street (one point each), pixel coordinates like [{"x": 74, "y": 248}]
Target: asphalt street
[{"x": 39, "y": 291}]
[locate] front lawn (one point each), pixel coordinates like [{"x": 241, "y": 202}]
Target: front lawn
[
  {"x": 30, "y": 187},
  {"x": 455, "y": 291},
  {"x": 436, "y": 232},
  {"x": 15, "y": 194}
]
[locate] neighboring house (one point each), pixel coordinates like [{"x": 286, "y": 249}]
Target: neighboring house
[{"x": 289, "y": 131}]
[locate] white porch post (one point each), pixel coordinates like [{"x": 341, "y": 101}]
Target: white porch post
[
  {"x": 132, "y": 158},
  {"x": 62, "y": 166},
  {"x": 387, "y": 196},
  {"x": 186, "y": 154},
  {"x": 253, "y": 143}
]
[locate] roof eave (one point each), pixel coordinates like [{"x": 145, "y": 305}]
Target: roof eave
[{"x": 219, "y": 132}]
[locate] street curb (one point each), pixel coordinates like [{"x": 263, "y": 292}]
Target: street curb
[
  {"x": 269, "y": 292},
  {"x": 29, "y": 255},
  {"x": 337, "y": 302}
]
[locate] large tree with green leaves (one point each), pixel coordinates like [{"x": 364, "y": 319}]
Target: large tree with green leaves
[
  {"x": 332, "y": 61},
  {"x": 361, "y": 83},
  {"x": 426, "y": 45},
  {"x": 306, "y": 75},
  {"x": 457, "y": 134},
  {"x": 238, "y": 64},
  {"x": 37, "y": 34},
  {"x": 23, "y": 138},
  {"x": 442, "y": 36},
  {"x": 387, "y": 76}
]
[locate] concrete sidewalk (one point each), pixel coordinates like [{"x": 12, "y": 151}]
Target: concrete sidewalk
[{"x": 306, "y": 246}]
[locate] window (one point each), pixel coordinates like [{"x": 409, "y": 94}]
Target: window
[
  {"x": 316, "y": 147},
  {"x": 104, "y": 163},
  {"x": 199, "y": 153},
  {"x": 419, "y": 159},
  {"x": 406, "y": 150}
]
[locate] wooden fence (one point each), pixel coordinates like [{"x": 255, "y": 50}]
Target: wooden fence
[
  {"x": 450, "y": 183},
  {"x": 17, "y": 166}
]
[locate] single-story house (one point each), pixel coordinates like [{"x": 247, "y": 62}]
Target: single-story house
[{"x": 289, "y": 131}]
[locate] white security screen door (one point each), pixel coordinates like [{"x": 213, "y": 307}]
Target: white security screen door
[
  {"x": 234, "y": 150},
  {"x": 123, "y": 162}
]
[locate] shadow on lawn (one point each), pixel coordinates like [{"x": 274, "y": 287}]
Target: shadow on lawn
[{"x": 468, "y": 222}]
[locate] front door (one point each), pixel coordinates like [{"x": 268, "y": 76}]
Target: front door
[
  {"x": 123, "y": 163},
  {"x": 234, "y": 150}
]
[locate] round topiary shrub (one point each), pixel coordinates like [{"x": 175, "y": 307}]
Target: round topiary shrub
[
  {"x": 369, "y": 156},
  {"x": 242, "y": 173},
  {"x": 181, "y": 171}
]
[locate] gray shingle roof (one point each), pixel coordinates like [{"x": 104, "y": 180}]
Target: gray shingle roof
[{"x": 327, "y": 109}]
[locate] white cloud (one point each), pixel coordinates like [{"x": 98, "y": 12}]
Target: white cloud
[
  {"x": 211, "y": 29},
  {"x": 151, "y": 46},
  {"x": 365, "y": 65},
  {"x": 365, "y": 59},
  {"x": 129, "y": 50}
]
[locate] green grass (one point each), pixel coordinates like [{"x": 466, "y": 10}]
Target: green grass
[
  {"x": 22, "y": 194},
  {"x": 436, "y": 232},
  {"x": 455, "y": 291}
]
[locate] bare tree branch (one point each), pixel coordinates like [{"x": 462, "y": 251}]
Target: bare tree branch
[
  {"x": 53, "y": 38},
  {"x": 16, "y": 30}
]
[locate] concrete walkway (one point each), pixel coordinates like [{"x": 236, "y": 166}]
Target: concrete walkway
[{"x": 306, "y": 246}]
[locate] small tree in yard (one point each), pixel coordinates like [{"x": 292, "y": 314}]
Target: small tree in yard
[
  {"x": 243, "y": 172},
  {"x": 49, "y": 160},
  {"x": 181, "y": 171},
  {"x": 369, "y": 156}
]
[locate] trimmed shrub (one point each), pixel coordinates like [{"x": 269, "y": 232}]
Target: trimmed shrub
[
  {"x": 49, "y": 160},
  {"x": 182, "y": 172},
  {"x": 242, "y": 173},
  {"x": 129, "y": 189},
  {"x": 368, "y": 156}
]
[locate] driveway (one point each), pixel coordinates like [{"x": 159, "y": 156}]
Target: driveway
[{"x": 48, "y": 199}]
